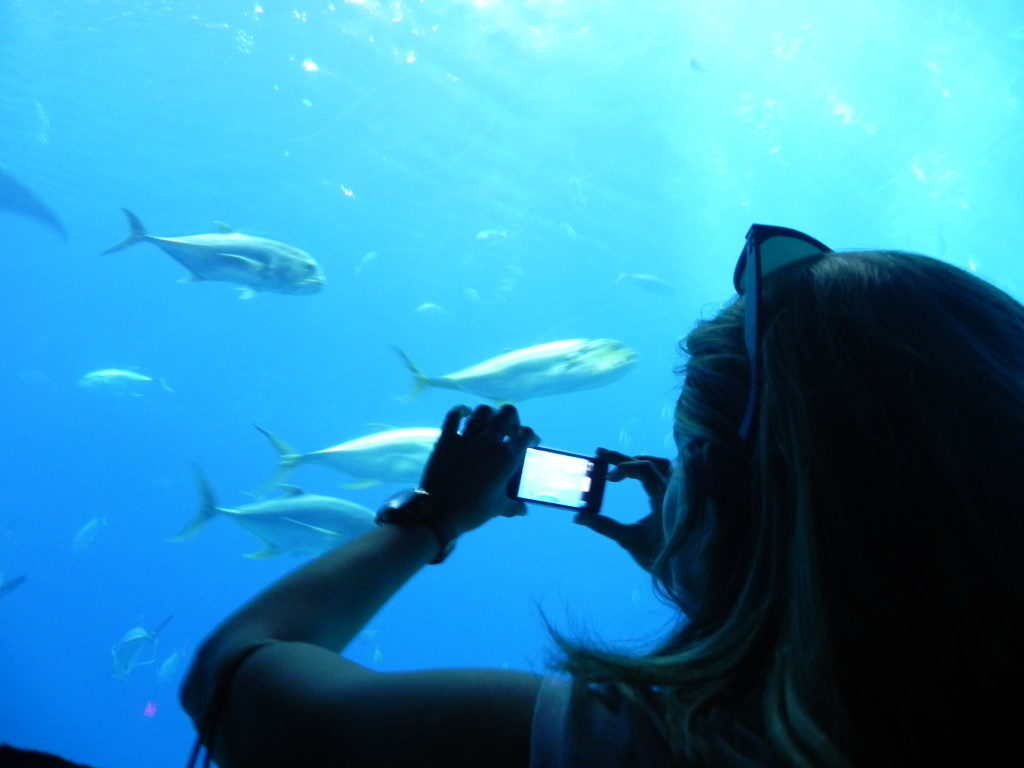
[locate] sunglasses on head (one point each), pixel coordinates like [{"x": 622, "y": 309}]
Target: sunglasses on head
[{"x": 767, "y": 249}]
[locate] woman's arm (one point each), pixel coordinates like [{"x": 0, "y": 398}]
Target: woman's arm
[{"x": 296, "y": 702}]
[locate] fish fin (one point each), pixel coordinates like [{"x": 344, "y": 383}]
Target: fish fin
[
  {"x": 207, "y": 507},
  {"x": 245, "y": 260},
  {"x": 192, "y": 277},
  {"x": 291, "y": 490},
  {"x": 222, "y": 227},
  {"x": 137, "y": 234},
  {"x": 360, "y": 485},
  {"x": 286, "y": 456},
  {"x": 246, "y": 293},
  {"x": 268, "y": 551},
  {"x": 420, "y": 382},
  {"x": 164, "y": 384},
  {"x": 317, "y": 528}
]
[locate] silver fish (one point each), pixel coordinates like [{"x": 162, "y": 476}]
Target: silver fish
[
  {"x": 137, "y": 647},
  {"x": 170, "y": 666},
  {"x": 650, "y": 283},
  {"x": 391, "y": 456},
  {"x": 546, "y": 369},
  {"x": 229, "y": 256},
  {"x": 121, "y": 382},
  {"x": 299, "y": 523},
  {"x": 87, "y": 533}
]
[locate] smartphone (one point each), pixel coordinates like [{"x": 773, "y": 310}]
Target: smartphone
[{"x": 560, "y": 479}]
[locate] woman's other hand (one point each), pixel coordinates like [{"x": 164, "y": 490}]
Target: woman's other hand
[
  {"x": 644, "y": 538},
  {"x": 468, "y": 472}
]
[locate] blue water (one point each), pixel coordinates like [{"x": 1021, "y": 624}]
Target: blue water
[{"x": 506, "y": 161}]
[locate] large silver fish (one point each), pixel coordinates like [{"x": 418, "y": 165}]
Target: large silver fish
[
  {"x": 229, "y": 256},
  {"x": 298, "y": 523},
  {"x": 391, "y": 456},
  {"x": 546, "y": 369}
]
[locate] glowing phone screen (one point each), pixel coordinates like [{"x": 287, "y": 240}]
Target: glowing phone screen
[{"x": 556, "y": 478}]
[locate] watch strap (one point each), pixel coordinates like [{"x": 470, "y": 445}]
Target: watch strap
[{"x": 418, "y": 506}]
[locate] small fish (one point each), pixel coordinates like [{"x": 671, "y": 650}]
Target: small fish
[
  {"x": 697, "y": 63},
  {"x": 299, "y": 523},
  {"x": 650, "y": 283},
  {"x": 390, "y": 456},
  {"x": 136, "y": 648},
  {"x": 256, "y": 263},
  {"x": 429, "y": 308},
  {"x": 491, "y": 234},
  {"x": 170, "y": 666},
  {"x": 87, "y": 533},
  {"x": 367, "y": 258},
  {"x": 576, "y": 190},
  {"x": 546, "y": 369},
  {"x": 121, "y": 382},
  {"x": 8, "y": 586},
  {"x": 16, "y": 197}
]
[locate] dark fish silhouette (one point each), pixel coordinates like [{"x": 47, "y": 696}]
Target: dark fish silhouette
[
  {"x": 6, "y": 587},
  {"x": 15, "y": 196}
]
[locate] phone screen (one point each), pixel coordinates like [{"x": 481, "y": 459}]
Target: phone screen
[{"x": 560, "y": 479}]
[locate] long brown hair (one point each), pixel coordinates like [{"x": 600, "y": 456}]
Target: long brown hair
[{"x": 861, "y": 571}]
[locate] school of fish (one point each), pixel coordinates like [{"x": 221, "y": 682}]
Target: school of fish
[{"x": 292, "y": 521}]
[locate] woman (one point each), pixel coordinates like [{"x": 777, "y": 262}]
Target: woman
[{"x": 842, "y": 532}]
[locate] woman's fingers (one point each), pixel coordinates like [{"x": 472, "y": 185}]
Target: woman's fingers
[
  {"x": 478, "y": 421},
  {"x": 647, "y": 472},
  {"x": 613, "y": 529},
  {"x": 663, "y": 465},
  {"x": 505, "y": 420},
  {"x": 523, "y": 438},
  {"x": 635, "y": 538},
  {"x": 660, "y": 465},
  {"x": 612, "y": 457},
  {"x": 452, "y": 419}
]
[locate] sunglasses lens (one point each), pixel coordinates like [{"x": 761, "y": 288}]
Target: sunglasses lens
[{"x": 777, "y": 247}]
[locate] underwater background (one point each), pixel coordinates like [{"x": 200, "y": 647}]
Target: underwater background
[{"x": 473, "y": 177}]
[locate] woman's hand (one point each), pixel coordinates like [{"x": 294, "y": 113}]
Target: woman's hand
[
  {"x": 644, "y": 538},
  {"x": 468, "y": 473}
]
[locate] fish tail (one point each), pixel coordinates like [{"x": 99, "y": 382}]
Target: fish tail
[
  {"x": 137, "y": 234},
  {"x": 207, "y": 508},
  {"x": 287, "y": 457},
  {"x": 420, "y": 381}
]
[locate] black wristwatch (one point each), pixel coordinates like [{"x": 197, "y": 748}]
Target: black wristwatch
[{"x": 418, "y": 506}]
